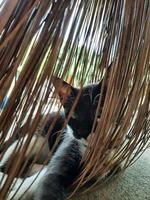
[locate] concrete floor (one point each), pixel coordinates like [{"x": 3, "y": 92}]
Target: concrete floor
[{"x": 133, "y": 184}]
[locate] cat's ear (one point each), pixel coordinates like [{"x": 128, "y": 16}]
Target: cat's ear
[
  {"x": 106, "y": 78},
  {"x": 98, "y": 86},
  {"x": 63, "y": 88}
]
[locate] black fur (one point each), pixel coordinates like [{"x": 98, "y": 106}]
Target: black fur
[
  {"x": 54, "y": 185},
  {"x": 56, "y": 130},
  {"x": 85, "y": 109}
]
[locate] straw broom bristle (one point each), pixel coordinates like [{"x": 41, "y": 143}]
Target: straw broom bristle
[{"x": 77, "y": 41}]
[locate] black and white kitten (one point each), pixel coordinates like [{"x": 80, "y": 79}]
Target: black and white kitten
[
  {"x": 65, "y": 163},
  {"x": 54, "y": 180}
]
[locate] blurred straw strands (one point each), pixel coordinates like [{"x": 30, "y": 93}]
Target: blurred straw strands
[{"x": 77, "y": 39}]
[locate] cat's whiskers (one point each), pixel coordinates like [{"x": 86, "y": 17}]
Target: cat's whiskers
[{"x": 96, "y": 99}]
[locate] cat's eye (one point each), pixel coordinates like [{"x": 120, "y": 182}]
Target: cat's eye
[{"x": 74, "y": 115}]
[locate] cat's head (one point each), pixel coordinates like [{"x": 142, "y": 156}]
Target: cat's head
[{"x": 83, "y": 116}]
